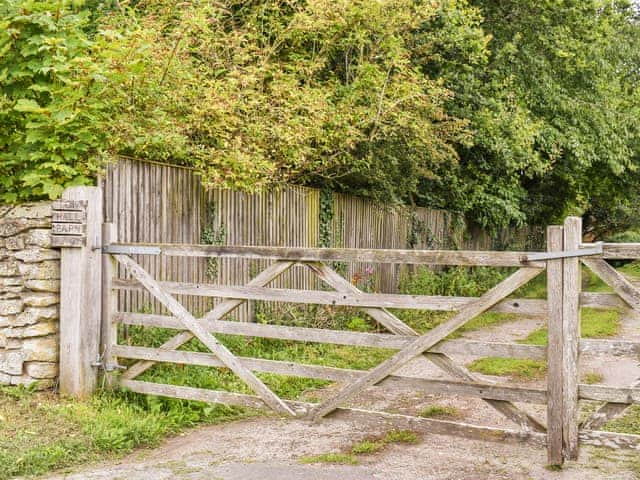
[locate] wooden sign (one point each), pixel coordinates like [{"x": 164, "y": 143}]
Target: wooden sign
[{"x": 69, "y": 223}]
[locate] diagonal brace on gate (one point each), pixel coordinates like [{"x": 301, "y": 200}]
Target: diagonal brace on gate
[
  {"x": 220, "y": 310},
  {"x": 442, "y": 361},
  {"x": 199, "y": 331},
  {"x": 428, "y": 340}
]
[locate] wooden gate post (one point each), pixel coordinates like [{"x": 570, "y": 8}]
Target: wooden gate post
[
  {"x": 555, "y": 242},
  {"x": 109, "y": 332},
  {"x": 80, "y": 299},
  {"x": 571, "y": 335}
]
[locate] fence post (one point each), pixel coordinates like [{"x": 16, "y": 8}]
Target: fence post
[
  {"x": 109, "y": 332},
  {"x": 80, "y": 297},
  {"x": 555, "y": 242},
  {"x": 571, "y": 335}
]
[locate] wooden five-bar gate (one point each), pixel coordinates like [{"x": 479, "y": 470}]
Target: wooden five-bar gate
[{"x": 561, "y": 433}]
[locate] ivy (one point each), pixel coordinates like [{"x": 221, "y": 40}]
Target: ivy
[
  {"x": 326, "y": 217},
  {"x": 214, "y": 232}
]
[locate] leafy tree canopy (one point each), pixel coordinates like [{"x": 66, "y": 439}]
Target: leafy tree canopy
[{"x": 509, "y": 111}]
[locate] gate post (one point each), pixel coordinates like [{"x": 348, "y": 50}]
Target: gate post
[
  {"x": 555, "y": 242},
  {"x": 571, "y": 335},
  {"x": 109, "y": 332},
  {"x": 80, "y": 300}
]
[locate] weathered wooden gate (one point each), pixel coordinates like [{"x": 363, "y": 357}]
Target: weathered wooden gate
[{"x": 562, "y": 259}]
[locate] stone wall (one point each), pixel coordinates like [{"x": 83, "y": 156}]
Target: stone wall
[{"x": 29, "y": 296}]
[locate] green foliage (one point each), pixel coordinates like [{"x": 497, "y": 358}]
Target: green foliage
[
  {"x": 337, "y": 458},
  {"x": 49, "y": 100},
  {"x": 506, "y": 111},
  {"x": 46, "y": 433}
]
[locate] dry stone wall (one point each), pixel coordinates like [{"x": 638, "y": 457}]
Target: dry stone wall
[{"x": 29, "y": 296}]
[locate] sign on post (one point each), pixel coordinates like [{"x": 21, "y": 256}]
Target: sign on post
[{"x": 69, "y": 223}]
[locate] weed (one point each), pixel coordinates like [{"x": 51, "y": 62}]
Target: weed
[
  {"x": 439, "y": 411},
  {"x": 400, "y": 436},
  {"x": 337, "y": 458},
  {"x": 368, "y": 447},
  {"x": 591, "y": 378}
]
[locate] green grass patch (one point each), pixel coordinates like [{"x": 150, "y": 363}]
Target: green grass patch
[
  {"x": 522, "y": 369},
  {"x": 591, "y": 378},
  {"x": 373, "y": 445},
  {"x": 627, "y": 423},
  {"x": 39, "y": 432},
  {"x": 594, "y": 323},
  {"x": 439, "y": 411},
  {"x": 366, "y": 447},
  {"x": 335, "y": 458}
]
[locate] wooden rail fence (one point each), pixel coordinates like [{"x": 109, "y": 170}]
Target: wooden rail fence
[{"x": 561, "y": 432}]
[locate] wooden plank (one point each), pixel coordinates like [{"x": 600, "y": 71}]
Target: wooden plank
[
  {"x": 610, "y": 439},
  {"x": 109, "y": 328},
  {"x": 623, "y": 287},
  {"x": 68, "y": 229},
  {"x": 80, "y": 294},
  {"x": 317, "y": 297},
  {"x": 426, "y": 257},
  {"x": 61, "y": 241},
  {"x": 340, "y": 337},
  {"x": 621, "y": 251},
  {"x": 263, "y": 278},
  {"x": 450, "y": 387},
  {"x": 570, "y": 337},
  {"x": 601, "y": 300},
  {"x": 205, "y": 337},
  {"x": 66, "y": 204},
  {"x": 606, "y": 393},
  {"x": 58, "y": 216},
  {"x": 555, "y": 241},
  {"x": 427, "y": 425},
  {"x": 424, "y": 342},
  {"x": 617, "y": 348}
]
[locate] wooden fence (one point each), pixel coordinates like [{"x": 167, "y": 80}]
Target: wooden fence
[{"x": 159, "y": 203}]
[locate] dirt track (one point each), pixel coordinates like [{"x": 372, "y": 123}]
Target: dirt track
[{"x": 268, "y": 448}]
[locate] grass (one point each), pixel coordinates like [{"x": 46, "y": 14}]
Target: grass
[
  {"x": 627, "y": 423},
  {"x": 594, "y": 323},
  {"x": 48, "y": 433},
  {"x": 336, "y": 458},
  {"x": 592, "y": 378},
  {"x": 439, "y": 411},
  {"x": 367, "y": 446},
  {"x": 521, "y": 369}
]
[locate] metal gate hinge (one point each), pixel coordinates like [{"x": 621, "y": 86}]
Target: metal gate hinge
[
  {"x": 109, "y": 367},
  {"x": 596, "y": 249}
]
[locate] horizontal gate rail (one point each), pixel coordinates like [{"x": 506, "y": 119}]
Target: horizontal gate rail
[{"x": 417, "y": 257}]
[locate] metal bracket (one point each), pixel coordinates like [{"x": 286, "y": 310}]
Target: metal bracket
[
  {"x": 131, "y": 250},
  {"x": 596, "y": 249},
  {"x": 108, "y": 367}
]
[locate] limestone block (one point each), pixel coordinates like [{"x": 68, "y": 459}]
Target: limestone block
[
  {"x": 44, "y": 299},
  {"x": 15, "y": 243},
  {"x": 37, "y": 330},
  {"x": 32, "y": 315},
  {"x": 11, "y": 362},
  {"x": 41, "y": 349},
  {"x": 43, "y": 285},
  {"x": 34, "y": 210},
  {"x": 39, "y": 237},
  {"x": 31, "y": 255},
  {"x": 41, "y": 369},
  {"x": 9, "y": 268},
  {"x": 49, "y": 270},
  {"x": 11, "y": 306}
]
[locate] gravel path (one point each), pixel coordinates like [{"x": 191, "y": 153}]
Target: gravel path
[{"x": 269, "y": 448}]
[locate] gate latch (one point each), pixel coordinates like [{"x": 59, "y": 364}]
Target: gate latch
[{"x": 108, "y": 367}]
